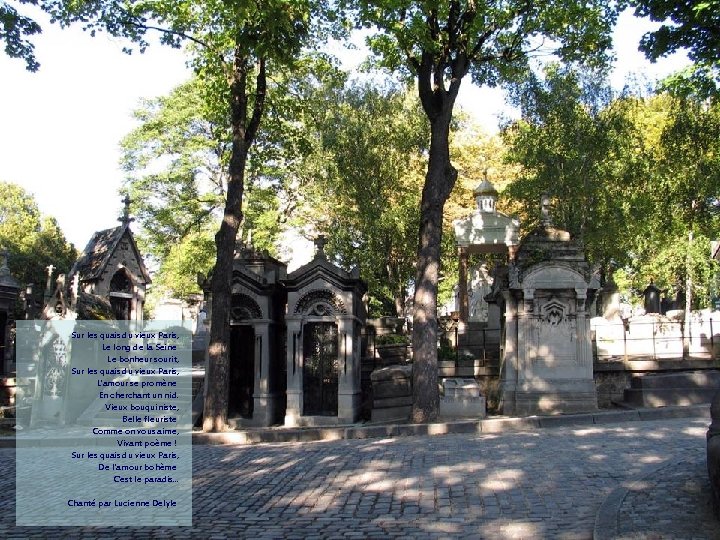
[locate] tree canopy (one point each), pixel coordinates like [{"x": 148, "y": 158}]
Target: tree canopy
[
  {"x": 15, "y": 32},
  {"x": 631, "y": 176},
  {"x": 693, "y": 26},
  {"x": 439, "y": 43},
  {"x": 371, "y": 143},
  {"x": 34, "y": 241}
]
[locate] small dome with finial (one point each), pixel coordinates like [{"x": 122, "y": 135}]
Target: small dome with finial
[{"x": 486, "y": 195}]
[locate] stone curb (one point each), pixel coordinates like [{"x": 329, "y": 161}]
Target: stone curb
[
  {"x": 606, "y": 519},
  {"x": 488, "y": 425}
]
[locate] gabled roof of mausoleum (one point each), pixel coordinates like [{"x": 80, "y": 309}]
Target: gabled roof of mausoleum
[
  {"x": 321, "y": 267},
  {"x": 100, "y": 249},
  {"x": 257, "y": 267}
]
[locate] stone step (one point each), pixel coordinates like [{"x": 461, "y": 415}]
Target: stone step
[
  {"x": 685, "y": 379},
  {"x": 676, "y": 388},
  {"x": 476, "y": 369},
  {"x": 665, "y": 397}
]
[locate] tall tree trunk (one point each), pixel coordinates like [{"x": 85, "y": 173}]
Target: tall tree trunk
[
  {"x": 243, "y": 130},
  {"x": 217, "y": 379},
  {"x": 399, "y": 292},
  {"x": 400, "y": 303},
  {"x": 439, "y": 181}
]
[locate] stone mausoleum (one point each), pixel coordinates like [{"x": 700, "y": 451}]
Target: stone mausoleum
[
  {"x": 295, "y": 341},
  {"x": 325, "y": 318},
  {"x": 257, "y": 332},
  {"x": 548, "y": 363},
  {"x": 111, "y": 267}
]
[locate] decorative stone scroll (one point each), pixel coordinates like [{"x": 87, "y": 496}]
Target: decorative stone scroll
[
  {"x": 243, "y": 307},
  {"x": 320, "y": 303}
]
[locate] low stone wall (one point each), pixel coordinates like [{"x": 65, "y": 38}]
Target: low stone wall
[
  {"x": 391, "y": 393},
  {"x": 613, "y": 377},
  {"x": 657, "y": 336},
  {"x": 611, "y": 386}
]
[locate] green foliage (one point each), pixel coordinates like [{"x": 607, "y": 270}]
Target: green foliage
[
  {"x": 177, "y": 276},
  {"x": 686, "y": 25},
  {"x": 34, "y": 241},
  {"x": 491, "y": 40},
  {"x": 14, "y": 31},
  {"x": 176, "y": 163},
  {"x": 573, "y": 143},
  {"x": 632, "y": 177},
  {"x": 391, "y": 339},
  {"x": 370, "y": 144},
  {"x": 668, "y": 269}
]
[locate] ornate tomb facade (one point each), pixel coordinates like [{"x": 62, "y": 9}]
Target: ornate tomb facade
[
  {"x": 257, "y": 362},
  {"x": 548, "y": 363},
  {"x": 325, "y": 316},
  {"x": 485, "y": 231},
  {"x": 9, "y": 291},
  {"x": 110, "y": 268}
]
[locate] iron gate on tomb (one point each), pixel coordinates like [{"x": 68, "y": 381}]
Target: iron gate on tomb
[{"x": 320, "y": 369}]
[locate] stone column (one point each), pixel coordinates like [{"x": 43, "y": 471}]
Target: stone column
[
  {"x": 462, "y": 284},
  {"x": 584, "y": 344},
  {"x": 262, "y": 400},
  {"x": 348, "y": 383},
  {"x": 293, "y": 410},
  {"x": 525, "y": 327},
  {"x": 509, "y": 361}
]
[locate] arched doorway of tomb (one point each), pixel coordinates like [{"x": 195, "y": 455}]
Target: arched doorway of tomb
[
  {"x": 242, "y": 371},
  {"x": 121, "y": 295},
  {"x": 320, "y": 369},
  {"x": 244, "y": 310}
]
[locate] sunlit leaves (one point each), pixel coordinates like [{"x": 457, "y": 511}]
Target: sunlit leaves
[
  {"x": 692, "y": 26},
  {"x": 371, "y": 144},
  {"x": 630, "y": 176},
  {"x": 34, "y": 241}
]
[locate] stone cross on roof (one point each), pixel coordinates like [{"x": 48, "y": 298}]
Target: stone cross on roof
[
  {"x": 320, "y": 243},
  {"x": 125, "y": 218},
  {"x": 50, "y": 268},
  {"x": 4, "y": 253},
  {"x": 545, "y": 218}
]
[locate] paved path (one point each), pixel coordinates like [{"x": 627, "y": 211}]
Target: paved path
[{"x": 549, "y": 483}]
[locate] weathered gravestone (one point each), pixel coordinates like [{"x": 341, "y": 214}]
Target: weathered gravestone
[
  {"x": 461, "y": 399},
  {"x": 391, "y": 393}
]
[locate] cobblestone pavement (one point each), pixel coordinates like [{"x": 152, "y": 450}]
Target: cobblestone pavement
[
  {"x": 653, "y": 504},
  {"x": 547, "y": 483}
]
